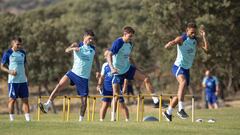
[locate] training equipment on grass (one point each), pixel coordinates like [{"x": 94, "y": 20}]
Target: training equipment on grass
[
  {"x": 150, "y": 118},
  {"x": 139, "y": 109}
]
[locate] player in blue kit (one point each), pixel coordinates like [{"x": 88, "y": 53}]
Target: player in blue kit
[
  {"x": 14, "y": 63},
  {"x": 83, "y": 56},
  {"x": 186, "y": 50},
  {"x": 211, "y": 85},
  {"x": 105, "y": 87},
  {"x": 119, "y": 62}
]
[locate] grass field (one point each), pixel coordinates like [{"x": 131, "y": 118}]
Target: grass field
[{"x": 227, "y": 123}]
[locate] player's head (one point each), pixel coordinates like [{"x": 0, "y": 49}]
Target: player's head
[
  {"x": 16, "y": 43},
  {"x": 191, "y": 30},
  {"x": 128, "y": 33},
  {"x": 88, "y": 37},
  {"x": 207, "y": 72}
]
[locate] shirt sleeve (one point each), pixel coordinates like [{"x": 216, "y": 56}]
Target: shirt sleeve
[
  {"x": 116, "y": 45},
  {"x": 5, "y": 58},
  {"x": 184, "y": 37},
  {"x": 103, "y": 69}
]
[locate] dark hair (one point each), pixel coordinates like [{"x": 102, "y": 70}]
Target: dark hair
[
  {"x": 191, "y": 25},
  {"x": 88, "y": 32},
  {"x": 16, "y": 38},
  {"x": 128, "y": 29}
]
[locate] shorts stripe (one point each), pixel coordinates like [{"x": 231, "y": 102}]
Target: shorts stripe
[
  {"x": 177, "y": 71},
  {"x": 11, "y": 88}
]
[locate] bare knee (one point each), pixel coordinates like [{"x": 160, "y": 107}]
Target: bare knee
[
  {"x": 183, "y": 83},
  {"x": 147, "y": 79},
  {"x": 11, "y": 101}
]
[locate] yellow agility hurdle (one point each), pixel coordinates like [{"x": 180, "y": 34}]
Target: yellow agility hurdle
[
  {"x": 45, "y": 97},
  {"x": 140, "y": 102}
]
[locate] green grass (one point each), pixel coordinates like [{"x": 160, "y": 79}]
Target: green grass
[{"x": 227, "y": 123}]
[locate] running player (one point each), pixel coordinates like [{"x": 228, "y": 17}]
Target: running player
[
  {"x": 186, "y": 50},
  {"x": 83, "y": 56},
  {"x": 119, "y": 62}
]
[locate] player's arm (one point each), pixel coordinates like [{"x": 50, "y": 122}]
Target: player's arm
[
  {"x": 110, "y": 63},
  {"x": 217, "y": 87},
  {"x": 6, "y": 70},
  {"x": 177, "y": 40},
  {"x": 203, "y": 40},
  {"x": 125, "y": 84},
  {"x": 204, "y": 82},
  {"x": 72, "y": 47},
  {"x": 97, "y": 65},
  {"x": 26, "y": 69},
  {"x": 100, "y": 83}
]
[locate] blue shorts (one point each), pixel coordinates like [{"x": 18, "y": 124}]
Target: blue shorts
[
  {"x": 119, "y": 79},
  {"x": 176, "y": 70},
  {"x": 110, "y": 93},
  {"x": 18, "y": 90},
  {"x": 211, "y": 97},
  {"x": 80, "y": 83}
]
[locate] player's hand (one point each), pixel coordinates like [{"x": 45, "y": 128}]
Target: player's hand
[
  {"x": 216, "y": 93},
  {"x": 202, "y": 31},
  {"x": 13, "y": 72},
  {"x": 167, "y": 46},
  {"x": 99, "y": 89},
  {"x": 97, "y": 75}
]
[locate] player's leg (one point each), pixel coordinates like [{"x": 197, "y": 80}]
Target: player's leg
[
  {"x": 142, "y": 77},
  {"x": 182, "y": 77},
  {"x": 11, "y": 103},
  {"x": 124, "y": 108},
  {"x": 25, "y": 108},
  {"x": 215, "y": 102},
  {"x": 61, "y": 85},
  {"x": 116, "y": 91},
  {"x": 83, "y": 107},
  {"x": 24, "y": 94},
  {"x": 103, "y": 109},
  {"x": 182, "y": 85},
  {"x": 82, "y": 90},
  {"x": 12, "y": 99}
]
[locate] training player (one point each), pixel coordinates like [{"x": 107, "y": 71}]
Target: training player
[
  {"x": 186, "y": 50},
  {"x": 211, "y": 85},
  {"x": 105, "y": 87},
  {"x": 14, "y": 63},
  {"x": 119, "y": 62},
  {"x": 83, "y": 56}
]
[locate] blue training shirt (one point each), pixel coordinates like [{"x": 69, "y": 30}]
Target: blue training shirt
[
  {"x": 210, "y": 82},
  {"x": 106, "y": 71},
  {"x": 186, "y": 52},
  {"x": 82, "y": 60},
  {"x": 16, "y": 61},
  {"x": 121, "y": 52}
]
